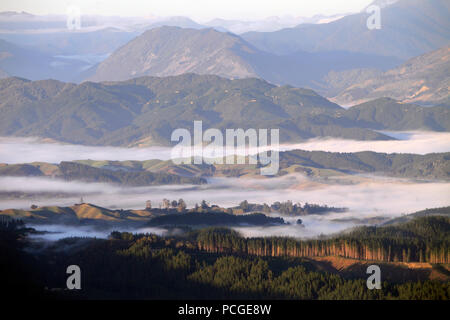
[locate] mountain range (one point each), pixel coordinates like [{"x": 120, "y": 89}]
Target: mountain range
[
  {"x": 348, "y": 78},
  {"x": 34, "y": 65},
  {"x": 23, "y": 22},
  {"x": 424, "y": 80},
  {"x": 172, "y": 51},
  {"x": 341, "y": 59},
  {"x": 408, "y": 28},
  {"x": 146, "y": 110}
]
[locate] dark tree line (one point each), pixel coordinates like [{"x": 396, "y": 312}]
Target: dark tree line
[
  {"x": 288, "y": 208},
  {"x": 145, "y": 266},
  {"x": 421, "y": 240}
]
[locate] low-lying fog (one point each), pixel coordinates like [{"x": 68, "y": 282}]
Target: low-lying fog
[
  {"x": 366, "y": 197},
  {"x": 21, "y": 150},
  {"x": 369, "y": 198}
]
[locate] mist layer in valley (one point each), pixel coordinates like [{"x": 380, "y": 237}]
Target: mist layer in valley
[
  {"x": 23, "y": 150},
  {"x": 368, "y": 198}
]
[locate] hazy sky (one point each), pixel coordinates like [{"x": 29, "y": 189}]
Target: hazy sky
[{"x": 201, "y": 10}]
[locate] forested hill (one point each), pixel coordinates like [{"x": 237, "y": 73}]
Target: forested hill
[
  {"x": 425, "y": 239},
  {"x": 386, "y": 113},
  {"x": 146, "y": 110},
  {"x": 434, "y": 166},
  {"x": 172, "y": 267}
]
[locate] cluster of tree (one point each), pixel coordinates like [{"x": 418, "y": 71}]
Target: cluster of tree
[
  {"x": 288, "y": 208},
  {"x": 166, "y": 204},
  {"x": 181, "y": 206},
  {"x": 214, "y": 219},
  {"x": 21, "y": 280},
  {"x": 128, "y": 266},
  {"x": 424, "y": 239},
  {"x": 239, "y": 276}
]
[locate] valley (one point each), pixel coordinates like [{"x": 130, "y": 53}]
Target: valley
[{"x": 174, "y": 151}]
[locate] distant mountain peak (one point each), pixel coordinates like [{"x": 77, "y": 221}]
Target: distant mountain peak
[{"x": 169, "y": 50}]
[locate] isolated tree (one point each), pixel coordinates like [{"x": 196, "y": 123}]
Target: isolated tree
[
  {"x": 266, "y": 208},
  {"x": 204, "y": 204},
  {"x": 244, "y": 205},
  {"x": 181, "y": 205},
  {"x": 166, "y": 203}
]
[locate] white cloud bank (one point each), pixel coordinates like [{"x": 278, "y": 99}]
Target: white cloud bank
[
  {"x": 22, "y": 150},
  {"x": 376, "y": 197}
]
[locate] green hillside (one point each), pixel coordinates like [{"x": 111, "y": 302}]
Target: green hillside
[
  {"x": 70, "y": 171},
  {"x": 315, "y": 164},
  {"x": 386, "y": 113},
  {"x": 146, "y": 110}
]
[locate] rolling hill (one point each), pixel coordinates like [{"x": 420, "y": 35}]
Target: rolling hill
[
  {"x": 430, "y": 166},
  {"x": 72, "y": 171},
  {"x": 314, "y": 164},
  {"x": 83, "y": 213}
]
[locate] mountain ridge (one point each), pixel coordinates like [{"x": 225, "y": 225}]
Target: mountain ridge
[
  {"x": 172, "y": 51},
  {"x": 122, "y": 113},
  {"x": 408, "y": 28},
  {"x": 168, "y": 51},
  {"x": 424, "y": 79}
]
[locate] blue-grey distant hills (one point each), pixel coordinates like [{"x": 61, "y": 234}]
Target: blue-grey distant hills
[
  {"x": 35, "y": 65},
  {"x": 146, "y": 110},
  {"x": 408, "y": 28},
  {"x": 325, "y": 57},
  {"x": 168, "y": 51},
  {"x": 424, "y": 80}
]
